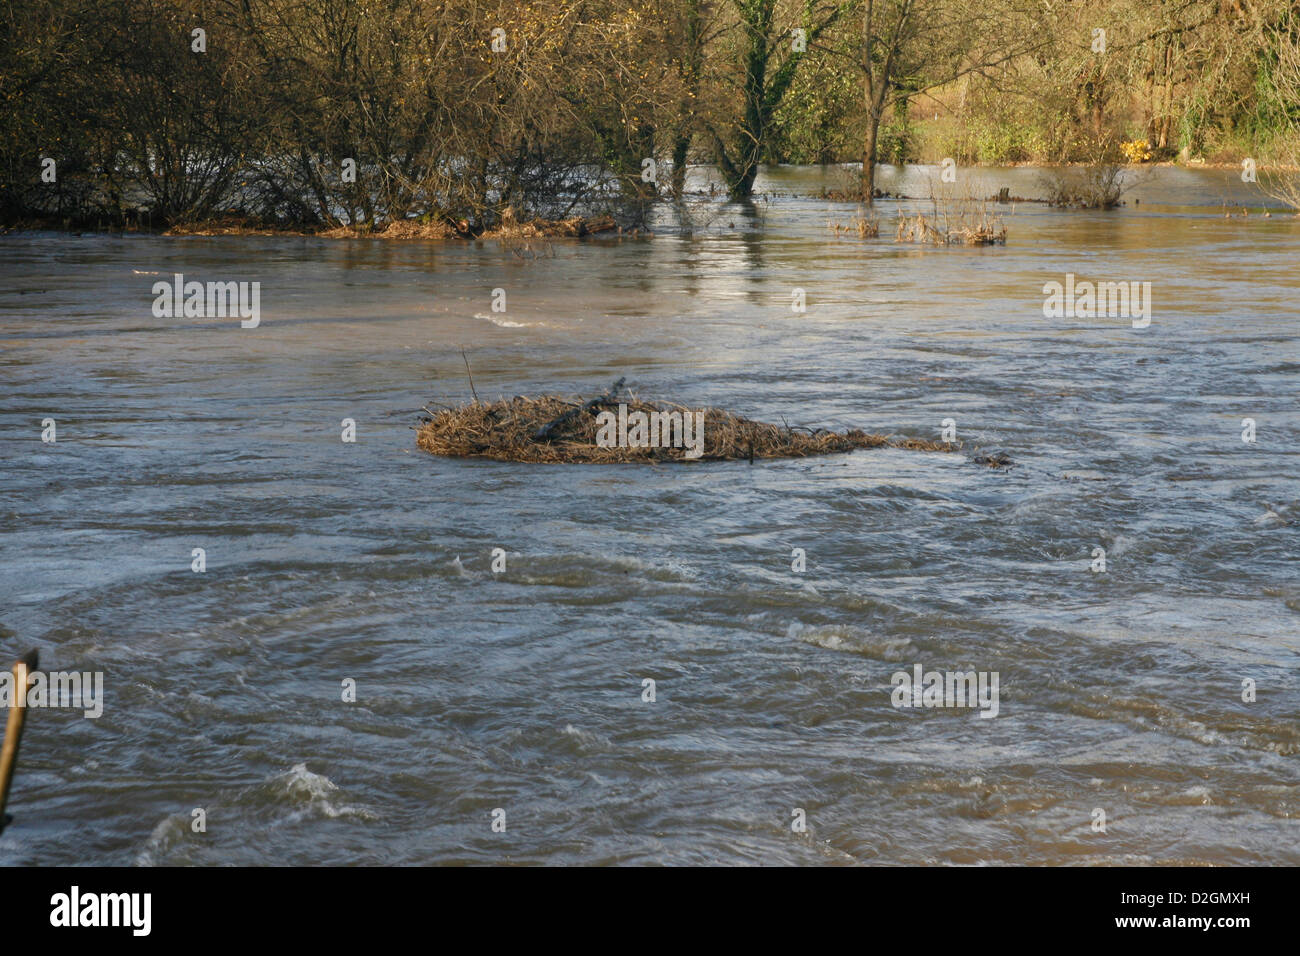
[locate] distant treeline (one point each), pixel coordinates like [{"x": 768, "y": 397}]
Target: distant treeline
[{"x": 358, "y": 112}]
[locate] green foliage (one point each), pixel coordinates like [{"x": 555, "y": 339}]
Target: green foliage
[
  {"x": 894, "y": 142},
  {"x": 816, "y": 122}
]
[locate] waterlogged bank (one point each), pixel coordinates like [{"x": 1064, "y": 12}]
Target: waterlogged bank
[
  {"x": 509, "y": 229},
  {"x": 771, "y": 604}
]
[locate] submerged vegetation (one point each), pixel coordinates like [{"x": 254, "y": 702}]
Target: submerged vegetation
[
  {"x": 439, "y": 116},
  {"x": 953, "y": 219},
  {"x": 984, "y": 231},
  {"x": 1086, "y": 187}
]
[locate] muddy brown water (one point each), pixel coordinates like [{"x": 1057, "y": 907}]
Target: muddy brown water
[{"x": 523, "y": 690}]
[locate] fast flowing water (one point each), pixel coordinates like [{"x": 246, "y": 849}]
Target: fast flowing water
[{"x": 1120, "y": 691}]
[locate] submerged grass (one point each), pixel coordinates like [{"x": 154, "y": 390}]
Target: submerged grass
[{"x": 553, "y": 429}]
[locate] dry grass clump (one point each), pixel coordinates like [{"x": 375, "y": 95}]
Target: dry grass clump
[
  {"x": 574, "y": 226},
  {"x": 231, "y": 225},
  {"x": 982, "y": 229},
  {"x": 412, "y": 229},
  {"x": 508, "y": 229},
  {"x": 957, "y": 217},
  {"x": 511, "y": 430},
  {"x": 519, "y": 237},
  {"x": 865, "y": 227}
]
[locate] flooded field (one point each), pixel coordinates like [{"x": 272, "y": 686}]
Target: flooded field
[{"x": 523, "y": 690}]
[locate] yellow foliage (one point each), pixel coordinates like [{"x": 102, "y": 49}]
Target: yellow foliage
[{"x": 1136, "y": 150}]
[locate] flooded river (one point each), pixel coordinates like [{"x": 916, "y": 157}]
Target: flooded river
[{"x": 523, "y": 691}]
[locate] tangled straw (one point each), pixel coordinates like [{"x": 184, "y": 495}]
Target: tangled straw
[{"x": 508, "y": 430}]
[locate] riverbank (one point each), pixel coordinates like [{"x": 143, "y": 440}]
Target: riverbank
[
  {"x": 1009, "y": 185},
  {"x": 508, "y": 229}
]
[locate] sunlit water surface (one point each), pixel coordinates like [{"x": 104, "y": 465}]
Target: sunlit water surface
[{"x": 1119, "y": 691}]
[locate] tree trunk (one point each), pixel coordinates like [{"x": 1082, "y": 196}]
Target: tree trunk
[
  {"x": 1166, "y": 121},
  {"x": 692, "y": 64},
  {"x": 681, "y": 146},
  {"x": 752, "y": 138},
  {"x": 868, "y": 184}
]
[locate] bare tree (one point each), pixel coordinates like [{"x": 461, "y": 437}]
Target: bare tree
[
  {"x": 909, "y": 47},
  {"x": 1284, "y": 184}
]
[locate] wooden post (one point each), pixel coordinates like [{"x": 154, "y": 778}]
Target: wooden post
[{"x": 14, "y": 729}]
